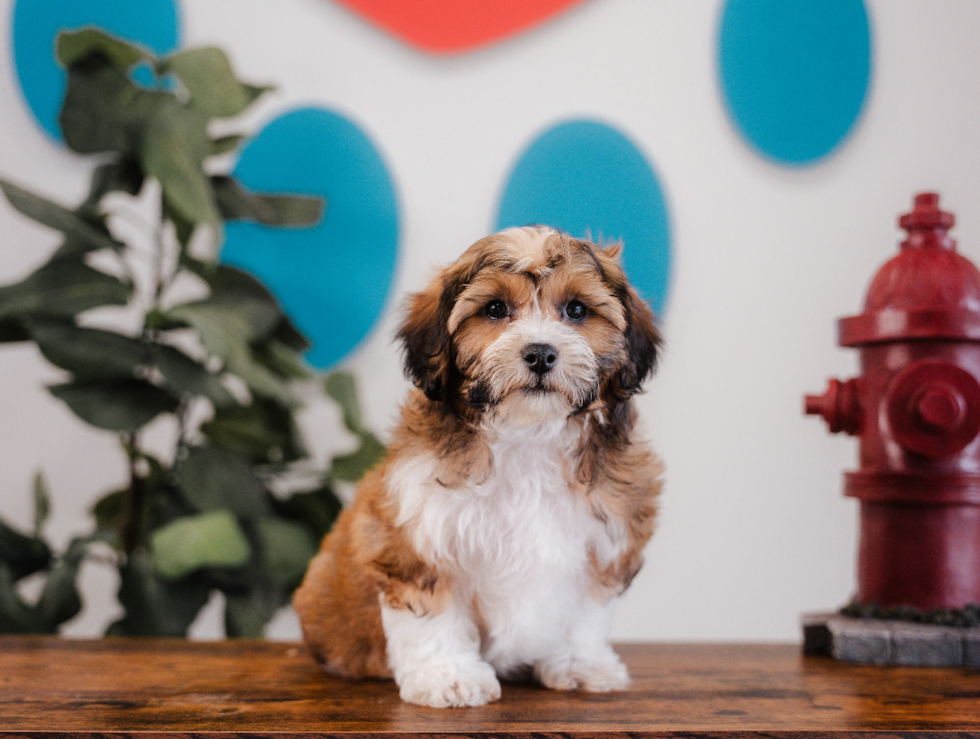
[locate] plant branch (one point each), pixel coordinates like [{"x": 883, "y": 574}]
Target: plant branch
[
  {"x": 182, "y": 445},
  {"x": 135, "y": 499}
]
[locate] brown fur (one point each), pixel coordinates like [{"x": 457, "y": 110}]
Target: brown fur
[
  {"x": 367, "y": 556},
  {"x": 364, "y": 556}
]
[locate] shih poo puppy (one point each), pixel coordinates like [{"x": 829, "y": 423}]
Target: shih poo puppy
[{"x": 517, "y": 494}]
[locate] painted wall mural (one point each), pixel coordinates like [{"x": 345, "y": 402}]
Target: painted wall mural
[
  {"x": 333, "y": 279},
  {"x": 590, "y": 180},
  {"x": 453, "y": 26},
  {"x": 794, "y": 77},
  {"x": 35, "y": 25},
  {"x": 794, "y": 74}
]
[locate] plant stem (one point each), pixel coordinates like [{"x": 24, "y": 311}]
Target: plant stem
[
  {"x": 132, "y": 525},
  {"x": 164, "y": 283},
  {"x": 131, "y": 531},
  {"x": 182, "y": 445},
  {"x": 160, "y": 282}
]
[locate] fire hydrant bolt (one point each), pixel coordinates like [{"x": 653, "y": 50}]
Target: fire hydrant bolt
[{"x": 938, "y": 408}]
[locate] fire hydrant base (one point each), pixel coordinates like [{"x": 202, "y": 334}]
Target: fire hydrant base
[{"x": 881, "y": 642}]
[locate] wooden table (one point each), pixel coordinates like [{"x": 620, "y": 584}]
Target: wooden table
[{"x": 150, "y": 688}]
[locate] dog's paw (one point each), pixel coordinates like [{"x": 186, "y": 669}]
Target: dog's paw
[
  {"x": 447, "y": 685},
  {"x": 597, "y": 674}
]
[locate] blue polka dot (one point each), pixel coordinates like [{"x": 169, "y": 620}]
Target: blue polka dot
[
  {"x": 794, "y": 73},
  {"x": 590, "y": 180},
  {"x": 332, "y": 279},
  {"x": 36, "y": 23}
]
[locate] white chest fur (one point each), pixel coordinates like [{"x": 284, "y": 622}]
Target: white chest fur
[{"x": 517, "y": 544}]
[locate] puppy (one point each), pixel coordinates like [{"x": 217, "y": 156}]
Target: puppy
[{"x": 517, "y": 495}]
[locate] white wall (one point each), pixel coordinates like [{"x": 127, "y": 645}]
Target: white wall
[{"x": 753, "y": 527}]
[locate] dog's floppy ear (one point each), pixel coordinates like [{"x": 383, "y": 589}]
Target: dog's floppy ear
[
  {"x": 642, "y": 337},
  {"x": 642, "y": 342},
  {"x": 424, "y": 334}
]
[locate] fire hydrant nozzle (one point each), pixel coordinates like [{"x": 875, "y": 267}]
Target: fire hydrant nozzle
[{"x": 838, "y": 405}]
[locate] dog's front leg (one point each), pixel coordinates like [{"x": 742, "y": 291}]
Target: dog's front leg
[
  {"x": 585, "y": 661},
  {"x": 436, "y": 657}
]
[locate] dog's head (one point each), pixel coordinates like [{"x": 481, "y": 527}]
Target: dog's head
[{"x": 531, "y": 325}]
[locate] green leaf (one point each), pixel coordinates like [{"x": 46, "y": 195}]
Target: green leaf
[
  {"x": 156, "y": 607},
  {"x": 212, "y": 539},
  {"x": 14, "y": 329},
  {"x": 83, "y": 234},
  {"x": 183, "y": 228},
  {"x": 210, "y": 81},
  {"x": 225, "y": 144},
  {"x": 115, "y": 405},
  {"x": 109, "y": 512},
  {"x": 352, "y": 467},
  {"x": 226, "y": 324},
  {"x": 90, "y": 353},
  {"x": 290, "y": 210},
  {"x": 157, "y": 320},
  {"x": 24, "y": 555},
  {"x": 233, "y": 285},
  {"x": 174, "y": 145},
  {"x": 342, "y": 387},
  {"x": 60, "y": 601},
  {"x": 124, "y": 175},
  {"x": 287, "y": 549},
  {"x": 42, "y": 503},
  {"x": 263, "y": 431},
  {"x": 235, "y": 203},
  {"x": 97, "y": 354},
  {"x": 230, "y": 283},
  {"x": 183, "y": 376},
  {"x": 239, "y": 313},
  {"x": 282, "y": 360},
  {"x": 72, "y": 248},
  {"x": 236, "y": 580},
  {"x": 103, "y": 110},
  {"x": 62, "y": 288},
  {"x": 16, "y": 617},
  {"x": 217, "y": 479},
  {"x": 289, "y": 335},
  {"x": 73, "y": 46},
  {"x": 162, "y": 504},
  {"x": 247, "y": 614},
  {"x": 318, "y": 509},
  {"x": 227, "y": 330}
]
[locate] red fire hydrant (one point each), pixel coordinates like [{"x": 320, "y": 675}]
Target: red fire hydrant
[{"x": 916, "y": 410}]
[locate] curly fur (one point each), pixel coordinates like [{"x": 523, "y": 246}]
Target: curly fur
[{"x": 514, "y": 505}]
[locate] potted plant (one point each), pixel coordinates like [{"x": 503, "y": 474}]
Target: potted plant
[{"x": 236, "y": 505}]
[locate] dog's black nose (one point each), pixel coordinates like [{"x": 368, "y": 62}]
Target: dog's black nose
[{"x": 540, "y": 358}]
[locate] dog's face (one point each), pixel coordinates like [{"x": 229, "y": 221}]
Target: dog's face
[{"x": 530, "y": 325}]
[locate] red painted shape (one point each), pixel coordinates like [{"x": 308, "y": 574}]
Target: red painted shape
[
  {"x": 453, "y": 26},
  {"x": 916, "y": 410}
]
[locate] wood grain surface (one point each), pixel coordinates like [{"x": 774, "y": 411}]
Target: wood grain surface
[{"x": 126, "y": 687}]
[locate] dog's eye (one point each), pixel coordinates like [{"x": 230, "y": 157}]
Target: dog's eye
[
  {"x": 496, "y": 309},
  {"x": 575, "y": 310}
]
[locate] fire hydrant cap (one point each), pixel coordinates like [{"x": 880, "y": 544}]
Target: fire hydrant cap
[{"x": 926, "y": 291}]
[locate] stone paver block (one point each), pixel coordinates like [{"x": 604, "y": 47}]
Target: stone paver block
[
  {"x": 971, "y": 649},
  {"x": 855, "y": 641},
  {"x": 873, "y": 641},
  {"x": 925, "y": 645}
]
